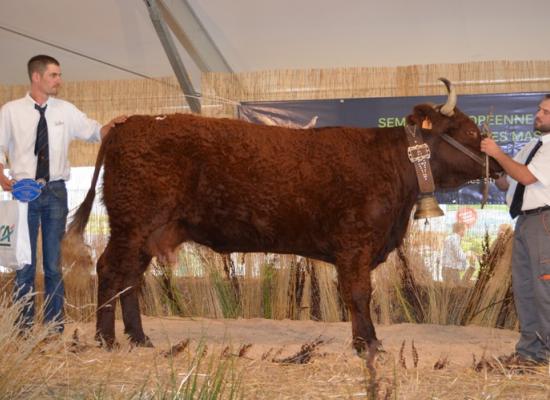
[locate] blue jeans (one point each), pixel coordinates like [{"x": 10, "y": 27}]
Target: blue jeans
[{"x": 50, "y": 212}]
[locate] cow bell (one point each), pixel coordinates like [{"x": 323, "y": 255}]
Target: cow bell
[{"x": 427, "y": 207}]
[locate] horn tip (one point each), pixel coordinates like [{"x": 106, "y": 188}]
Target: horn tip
[{"x": 445, "y": 81}]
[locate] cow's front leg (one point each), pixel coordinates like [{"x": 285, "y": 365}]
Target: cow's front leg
[
  {"x": 355, "y": 285},
  {"x": 365, "y": 341}
]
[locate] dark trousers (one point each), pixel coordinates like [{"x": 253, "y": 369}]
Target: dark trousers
[{"x": 531, "y": 283}]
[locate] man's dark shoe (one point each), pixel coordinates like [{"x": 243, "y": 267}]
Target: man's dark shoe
[
  {"x": 521, "y": 364},
  {"x": 518, "y": 360},
  {"x": 541, "y": 361}
]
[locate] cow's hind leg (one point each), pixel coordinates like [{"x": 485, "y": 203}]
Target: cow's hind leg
[
  {"x": 130, "y": 306},
  {"x": 135, "y": 254},
  {"x": 119, "y": 270},
  {"x": 106, "y": 302}
]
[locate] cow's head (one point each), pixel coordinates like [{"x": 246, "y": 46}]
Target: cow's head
[{"x": 451, "y": 166}]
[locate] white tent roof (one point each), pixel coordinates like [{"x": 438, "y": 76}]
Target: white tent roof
[{"x": 273, "y": 34}]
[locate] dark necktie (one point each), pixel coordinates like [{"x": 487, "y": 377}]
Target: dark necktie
[
  {"x": 41, "y": 148},
  {"x": 517, "y": 200}
]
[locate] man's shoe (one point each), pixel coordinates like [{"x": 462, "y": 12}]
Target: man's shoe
[
  {"x": 541, "y": 361},
  {"x": 518, "y": 360}
]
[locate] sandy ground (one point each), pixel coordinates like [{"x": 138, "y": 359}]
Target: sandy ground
[
  {"x": 432, "y": 341},
  {"x": 334, "y": 370}
]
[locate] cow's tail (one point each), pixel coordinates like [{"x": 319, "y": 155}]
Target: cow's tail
[
  {"x": 74, "y": 251},
  {"x": 81, "y": 216}
]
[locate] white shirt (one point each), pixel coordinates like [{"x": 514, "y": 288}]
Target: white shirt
[
  {"x": 536, "y": 194},
  {"x": 18, "y": 122},
  {"x": 452, "y": 255}
]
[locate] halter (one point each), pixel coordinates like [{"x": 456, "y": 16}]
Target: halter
[
  {"x": 459, "y": 146},
  {"x": 484, "y": 162}
]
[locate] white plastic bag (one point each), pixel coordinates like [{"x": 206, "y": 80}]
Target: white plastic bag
[{"x": 15, "y": 245}]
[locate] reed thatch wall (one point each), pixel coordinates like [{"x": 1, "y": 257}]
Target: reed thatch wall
[
  {"x": 414, "y": 80},
  {"x": 103, "y": 100}
]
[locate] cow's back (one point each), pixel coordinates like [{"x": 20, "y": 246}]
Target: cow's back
[{"x": 236, "y": 186}]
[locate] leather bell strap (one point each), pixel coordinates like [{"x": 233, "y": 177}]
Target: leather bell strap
[{"x": 419, "y": 155}]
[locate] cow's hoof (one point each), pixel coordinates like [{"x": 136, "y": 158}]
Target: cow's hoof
[
  {"x": 377, "y": 347},
  {"x": 107, "y": 343},
  {"x": 371, "y": 352},
  {"x": 144, "y": 342},
  {"x": 364, "y": 348},
  {"x": 360, "y": 346}
]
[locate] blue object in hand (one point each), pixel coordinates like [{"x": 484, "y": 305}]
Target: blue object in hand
[{"x": 26, "y": 190}]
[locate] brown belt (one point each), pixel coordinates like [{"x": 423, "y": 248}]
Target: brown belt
[{"x": 535, "y": 210}]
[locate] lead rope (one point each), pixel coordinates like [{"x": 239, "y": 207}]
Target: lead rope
[
  {"x": 485, "y": 133},
  {"x": 484, "y": 162}
]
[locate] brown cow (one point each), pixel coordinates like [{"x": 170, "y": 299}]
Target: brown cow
[{"x": 340, "y": 195}]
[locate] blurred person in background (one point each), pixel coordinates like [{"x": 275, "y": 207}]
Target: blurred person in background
[{"x": 454, "y": 260}]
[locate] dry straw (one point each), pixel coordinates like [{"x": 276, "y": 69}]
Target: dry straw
[
  {"x": 73, "y": 367},
  {"x": 40, "y": 366}
]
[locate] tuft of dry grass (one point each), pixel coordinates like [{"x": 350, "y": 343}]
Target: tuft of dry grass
[
  {"x": 176, "y": 349},
  {"x": 304, "y": 355},
  {"x": 491, "y": 301},
  {"x": 24, "y": 372}
]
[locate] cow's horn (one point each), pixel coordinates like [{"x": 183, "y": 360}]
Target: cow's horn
[{"x": 449, "y": 107}]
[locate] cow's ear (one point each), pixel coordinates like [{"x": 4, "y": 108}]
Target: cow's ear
[
  {"x": 429, "y": 118},
  {"x": 420, "y": 114}
]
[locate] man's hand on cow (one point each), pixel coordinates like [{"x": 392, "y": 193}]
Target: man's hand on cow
[
  {"x": 491, "y": 148},
  {"x": 111, "y": 124}
]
